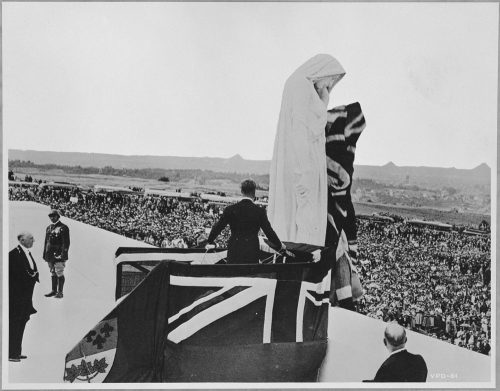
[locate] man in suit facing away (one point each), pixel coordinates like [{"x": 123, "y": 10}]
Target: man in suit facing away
[
  {"x": 400, "y": 366},
  {"x": 23, "y": 274},
  {"x": 245, "y": 219}
]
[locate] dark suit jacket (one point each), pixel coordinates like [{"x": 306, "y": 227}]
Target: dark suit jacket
[
  {"x": 402, "y": 367},
  {"x": 245, "y": 219},
  {"x": 56, "y": 242},
  {"x": 22, "y": 279}
]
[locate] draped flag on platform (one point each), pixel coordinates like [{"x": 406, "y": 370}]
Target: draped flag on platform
[
  {"x": 212, "y": 323},
  {"x": 342, "y": 135}
]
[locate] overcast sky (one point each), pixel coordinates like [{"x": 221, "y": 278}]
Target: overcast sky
[{"x": 197, "y": 79}]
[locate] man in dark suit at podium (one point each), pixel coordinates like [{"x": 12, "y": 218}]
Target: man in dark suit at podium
[
  {"x": 245, "y": 219},
  {"x": 23, "y": 274},
  {"x": 400, "y": 366}
]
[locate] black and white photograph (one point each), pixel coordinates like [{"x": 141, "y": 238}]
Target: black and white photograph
[{"x": 249, "y": 194}]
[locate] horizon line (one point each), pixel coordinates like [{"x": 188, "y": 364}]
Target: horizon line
[{"x": 237, "y": 155}]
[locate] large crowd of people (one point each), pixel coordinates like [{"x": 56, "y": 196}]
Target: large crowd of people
[
  {"x": 437, "y": 283},
  {"x": 160, "y": 221}
]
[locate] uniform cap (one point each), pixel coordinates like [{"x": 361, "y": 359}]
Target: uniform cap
[{"x": 54, "y": 212}]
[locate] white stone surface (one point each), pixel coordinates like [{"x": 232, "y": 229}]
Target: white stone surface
[{"x": 355, "y": 349}]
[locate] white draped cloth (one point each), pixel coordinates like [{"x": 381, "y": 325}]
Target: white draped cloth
[{"x": 297, "y": 206}]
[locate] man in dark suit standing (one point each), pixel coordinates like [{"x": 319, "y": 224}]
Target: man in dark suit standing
[
  {"x": 55, "y": 252},
  {"x": 400, "y": 366},
  {"x": 245, "y": 219},
  {"x": 23, "y": 274}
]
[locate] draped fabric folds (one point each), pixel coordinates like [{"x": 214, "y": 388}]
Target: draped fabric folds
[
  {"x": 342, "y": 135},
  {"x": 188, "y": 322},
  {"x": 297, "y": 206}
]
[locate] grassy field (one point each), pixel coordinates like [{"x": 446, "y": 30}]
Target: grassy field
[
  {"x": 232, "y": 188},
  {"x": 458, "y": 218},
  {"x": 190, "y": 185}
]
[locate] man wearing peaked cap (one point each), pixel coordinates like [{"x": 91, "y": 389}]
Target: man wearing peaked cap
[{"x": 55, "y": 252}]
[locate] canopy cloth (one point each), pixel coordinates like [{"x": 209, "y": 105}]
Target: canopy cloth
[{"x": 297, "y": 206}]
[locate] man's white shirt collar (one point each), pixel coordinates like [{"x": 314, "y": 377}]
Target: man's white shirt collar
[
  {"x": 396, "y": 351},
  {"x": 27, "y": 252},
  {"x": 246, "y": 198}
]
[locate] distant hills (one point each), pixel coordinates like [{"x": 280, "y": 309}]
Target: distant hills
[
  {"x": 388, "y": 173},
  {"x": 427, "y": 176},
  {"x": 234, "y": 164}
]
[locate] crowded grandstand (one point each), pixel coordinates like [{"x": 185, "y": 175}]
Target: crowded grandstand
[{"x": 430, "y": 277}]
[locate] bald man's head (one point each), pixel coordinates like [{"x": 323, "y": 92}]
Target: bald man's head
[
  {"x": 26, "y": 239},
  {"x": 395, "y": 335}
]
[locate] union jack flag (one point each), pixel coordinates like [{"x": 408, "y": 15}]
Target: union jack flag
[
  {"x": 341, "y": 137},
  {"x": 218, "y": 323}
]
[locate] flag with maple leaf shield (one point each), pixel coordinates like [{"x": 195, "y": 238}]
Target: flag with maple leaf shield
[
  {"x": 91, "y": 358},
  {"x": 214, "y": 323}
]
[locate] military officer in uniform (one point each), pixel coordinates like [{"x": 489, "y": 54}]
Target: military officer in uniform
[{"x": 55, "y": 252}]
